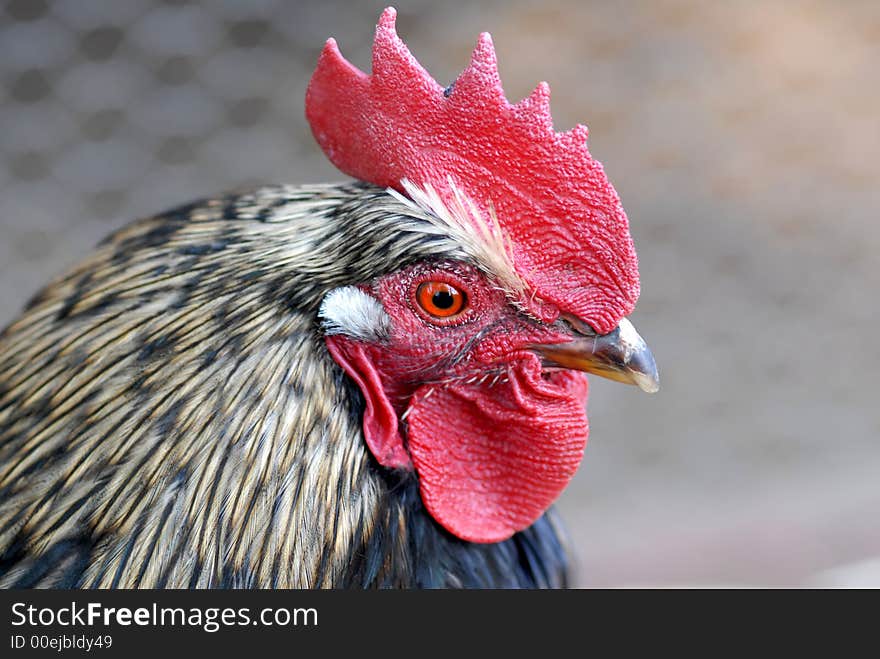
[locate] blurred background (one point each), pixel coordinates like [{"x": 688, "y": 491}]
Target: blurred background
[{"x": 742, "y": 137}]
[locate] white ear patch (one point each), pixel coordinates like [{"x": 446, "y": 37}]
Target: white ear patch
[{"x": 350, "y": 311}]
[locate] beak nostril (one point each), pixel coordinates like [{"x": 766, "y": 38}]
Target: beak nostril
[{"x": 577, "y": 325}]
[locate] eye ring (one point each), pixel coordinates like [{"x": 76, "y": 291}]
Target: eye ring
[{"x": 440, "y": 299}]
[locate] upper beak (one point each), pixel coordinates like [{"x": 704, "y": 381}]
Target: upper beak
[{"x": 620, "y": 355}]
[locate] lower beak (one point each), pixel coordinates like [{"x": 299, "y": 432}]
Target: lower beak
[{"x": 620, "y": 355}]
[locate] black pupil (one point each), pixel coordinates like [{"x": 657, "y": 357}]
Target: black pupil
[{"x": 443, "y": 299}]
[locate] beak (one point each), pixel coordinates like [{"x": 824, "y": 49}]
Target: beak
[{"x": 620, "y": 355}]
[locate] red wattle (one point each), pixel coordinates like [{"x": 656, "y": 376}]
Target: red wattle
[
  {"x": 492, "y": 459},
  {"x": 380, "y": 425}
]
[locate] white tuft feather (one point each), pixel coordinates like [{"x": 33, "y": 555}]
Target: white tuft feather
[
  {"x": 350, "y": 311},
  {"x": 482, "y": 238}
]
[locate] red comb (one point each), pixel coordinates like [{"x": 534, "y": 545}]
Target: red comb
[{"x": 567, "y": 231}]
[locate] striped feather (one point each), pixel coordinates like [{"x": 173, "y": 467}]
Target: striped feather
[{"x": 169, "y": 416}]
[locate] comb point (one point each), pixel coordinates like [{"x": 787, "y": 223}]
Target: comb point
[
  {"x": 536, "y": 107},
  {"x": 480, "y": 80},
  {"x": 483, "y": 57},
  {"x": 388, "y": 19},
  {"x": 578, "y": 135}
]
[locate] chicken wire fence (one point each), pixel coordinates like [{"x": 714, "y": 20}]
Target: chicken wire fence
[
  {"x": 112, "y": 110},
  {"x": 106, "y": 103}
]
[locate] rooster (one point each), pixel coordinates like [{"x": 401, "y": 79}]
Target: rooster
[{"x": 372, "y": 384}]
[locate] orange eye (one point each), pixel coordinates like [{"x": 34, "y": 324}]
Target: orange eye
[{"x": 440, "y": 299}]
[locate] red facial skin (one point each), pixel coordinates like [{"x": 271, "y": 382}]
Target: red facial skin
[{"x": 492, "y": 436}]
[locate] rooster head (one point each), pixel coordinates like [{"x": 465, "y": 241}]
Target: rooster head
[{"x": 473, "y": 370}]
